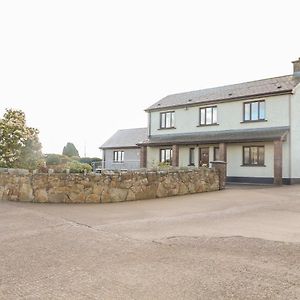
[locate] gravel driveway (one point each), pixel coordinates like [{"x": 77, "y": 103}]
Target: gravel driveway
[{"x": 240, "y": 243}]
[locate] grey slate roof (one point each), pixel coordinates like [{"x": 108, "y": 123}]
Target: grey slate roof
[
  {"x": 239, "y": 135},
  {"x": 270, "y": 86},
  {"x": 126, "y": 138}
]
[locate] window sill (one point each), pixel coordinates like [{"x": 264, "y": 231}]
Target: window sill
[
  {"x": 253, "y": 165},
  {"x": 191, "y": 165},
  {"x": 205, "y": 125},
  {"x": 166, "y": 128},
  {"x": 254, "y": 121},
  {"x": 118, "y": 162}
]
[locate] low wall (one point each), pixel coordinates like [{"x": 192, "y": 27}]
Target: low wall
[{"x": 103, "y": 188}]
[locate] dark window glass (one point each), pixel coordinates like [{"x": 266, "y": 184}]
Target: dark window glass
[
  {"x": 216, "y": 153},
  {"x": 261, "y": 155},
  {"x": 166, "y": 155},
  {"x": 246, "y": 155},
  {"x": 192, "y": 157},
  {"x": 208, "y": 115},
  {"x": 118, "y": 156},
  {"x": 254, "y": 155}
]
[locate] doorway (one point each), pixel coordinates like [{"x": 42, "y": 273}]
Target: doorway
[{"x": 204, "y": 157}]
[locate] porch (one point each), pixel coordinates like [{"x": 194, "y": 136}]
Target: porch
[{"x": 257, "y": 156}]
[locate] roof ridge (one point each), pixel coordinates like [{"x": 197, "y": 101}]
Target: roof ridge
[{"x": 268, "y": 86}]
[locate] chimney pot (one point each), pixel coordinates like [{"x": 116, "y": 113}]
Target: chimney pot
[{"x": 296, "y": 64}]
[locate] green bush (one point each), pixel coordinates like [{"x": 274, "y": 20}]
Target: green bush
[
  {"x": 164, "y": 165},
  {"x": 89, "y": 160},
  {"x": 56, "y": 159},
  {"x": 77, "y": 158},
  {"x": 77, "y": 167}
]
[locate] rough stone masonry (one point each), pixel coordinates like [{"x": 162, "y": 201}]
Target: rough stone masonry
[{"x": 107, "y": 187}]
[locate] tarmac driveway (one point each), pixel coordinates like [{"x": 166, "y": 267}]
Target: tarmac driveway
[{"x": 240, "y": 243}]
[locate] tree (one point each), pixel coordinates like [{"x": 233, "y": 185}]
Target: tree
[
  {"x": 70, "y": 150},
  {"x": 19, "y": 144}
]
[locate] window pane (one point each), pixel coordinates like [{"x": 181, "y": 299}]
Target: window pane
[
  {"x": 215, "y": 115},
  {"x": 162, "y": 120},
  {"x": 172, "y": 119},
  {"x": 262, "y": 110},
  {"x": 168, "y": 155},
  {"x": 247, "y": 112},
  {"x": 168, "y": 120},
  {"x": 162, "y": 158},
  {"x": 246, "y": 155},
  {"x": 254, "y": 155},
  {"x": 216, "y": 153},
  {"x": 192, "y": 156},
  {"x": 254, "y": 111},
  {"x": 209, "y": 115},
  {"x": 261, "y": 155},
  {"x": 202, "y": 116},
  {"x": 122, "y": 156}
]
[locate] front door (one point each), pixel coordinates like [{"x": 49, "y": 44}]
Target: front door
[{"x": 204, "y": 157}]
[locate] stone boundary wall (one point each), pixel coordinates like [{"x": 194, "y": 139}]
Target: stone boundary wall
[{"x": 107, "y": 187}]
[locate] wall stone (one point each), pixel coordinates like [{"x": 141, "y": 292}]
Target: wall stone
[{"x": 108, "y": 187}]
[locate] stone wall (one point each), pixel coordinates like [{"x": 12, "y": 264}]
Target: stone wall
[{"x": 107, "y": 187}]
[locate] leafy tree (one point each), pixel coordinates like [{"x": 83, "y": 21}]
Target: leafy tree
[
  {"x": 70, "y": 150},
  {"x": 19, "y": 144}
]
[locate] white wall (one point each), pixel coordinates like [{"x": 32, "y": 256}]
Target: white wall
[
  {"x": 131, "y": 159},
  {"x": 295, "y": 133},
  {"x": 230, "y": 116},
  {"x": 234, "y": 159}
]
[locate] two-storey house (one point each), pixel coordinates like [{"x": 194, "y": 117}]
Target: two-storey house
[{"x": 253, "y": 126}]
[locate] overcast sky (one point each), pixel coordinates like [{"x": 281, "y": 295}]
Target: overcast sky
[{"x": 81, "y": 70}]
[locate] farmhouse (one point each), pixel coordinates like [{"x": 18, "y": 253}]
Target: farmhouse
[{"x": 253, "y": 126}]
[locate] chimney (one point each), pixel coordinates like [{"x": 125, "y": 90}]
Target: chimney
[{"x": 296, "y": 64}]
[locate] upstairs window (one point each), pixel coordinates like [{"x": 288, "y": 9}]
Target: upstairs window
[
  {"x": 118, "y": 156},
  {"x": 166, "y": 155},
  {"x": 208, "y": 115},
  {"x": 254, "y": 111},
  {"x": 253, "y": 155},
  {"x": 167, "y": 120}
]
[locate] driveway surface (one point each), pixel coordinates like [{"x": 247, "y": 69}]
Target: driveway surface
[{"x": 240, "y": 243}]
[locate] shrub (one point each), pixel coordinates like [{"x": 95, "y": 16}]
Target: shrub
[
  {"x": 89, "y": 160},
  {"x": 56, "y": 159},
  {"x": 164, "y": 165},
  {"x": 77, "y": 167}
]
